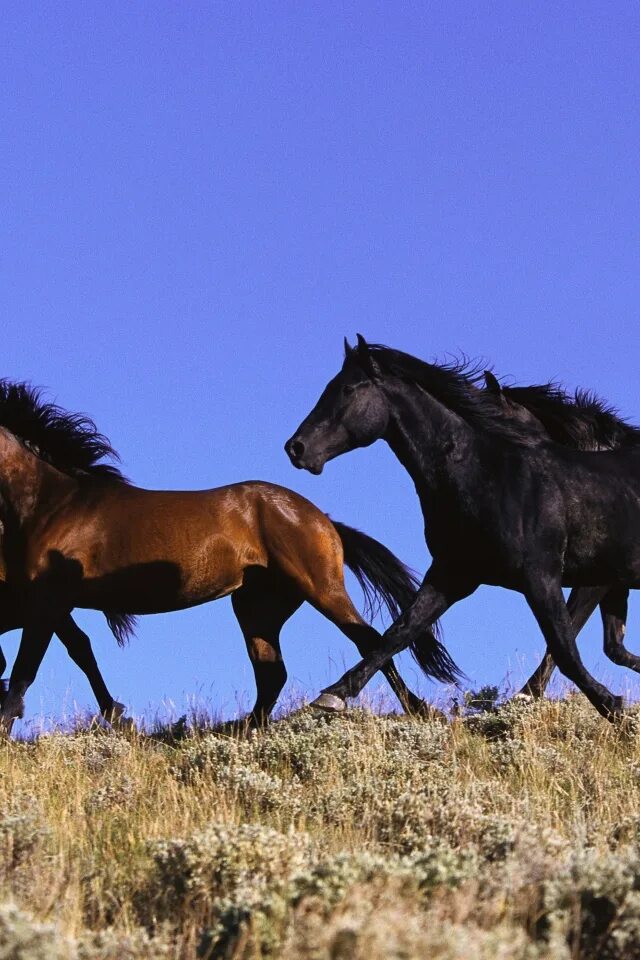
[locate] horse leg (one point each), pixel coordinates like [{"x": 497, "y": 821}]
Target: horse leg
[
  {"x": 581, "y": 604},
  {"x": 539, "y": 679},
  {"x": 547, "y": 604},
  {"x": 3, "y": 683},
  {"x": 337, "y": 606},
  {"x": 614, "y": 617},
  {"x": 79, "y": 648},
  {"x": 434, "y": 597},
  {"x": 409, "y": 702},
  {"x": 35, "y": 639},
  {"x": 318, "y": 573},
  {"x": 262, "y": 607}
]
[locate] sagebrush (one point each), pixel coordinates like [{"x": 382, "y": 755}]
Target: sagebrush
[{"x": 508, "y": 834}]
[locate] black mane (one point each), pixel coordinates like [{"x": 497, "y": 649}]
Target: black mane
[
  {"x": 582, "y": 421},
  {"x": 455, "y": 385},
  {"x": 68, "y": 441}
]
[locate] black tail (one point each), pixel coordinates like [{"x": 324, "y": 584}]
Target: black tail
[
  {"x": 385, "y": 580},
  {"x": 122, "y": 626}
]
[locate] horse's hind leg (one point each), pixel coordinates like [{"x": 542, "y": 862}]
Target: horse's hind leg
[
  {"x": 581, "y": 604},
  {"x": 546, "y": 601},
  {"x": 79, "y": 649},
  {"x": 337, "y": 606},
  {"x": 539, "y": 679},
  {"x": 262, "y": 606},
  {"x": 614, "y": 617},
  {"x": 316, "y": 567},
  {"x": 408, "y": 700},
  {"x": 4, "y": 684},
  {"x": 438, "y": 591}
]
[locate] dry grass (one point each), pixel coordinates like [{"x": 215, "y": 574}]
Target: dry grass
[{"x": 505, "y": 835}]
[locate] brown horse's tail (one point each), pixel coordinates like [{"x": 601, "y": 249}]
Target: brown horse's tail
[
  {"x": 122, "y": 626},
  {"x": 385, "y": 580}
]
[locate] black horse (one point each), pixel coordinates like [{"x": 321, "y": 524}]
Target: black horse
[{"x": 502, "y": 504}]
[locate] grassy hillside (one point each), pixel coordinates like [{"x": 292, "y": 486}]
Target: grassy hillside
[{"x": 507, "y": 835}]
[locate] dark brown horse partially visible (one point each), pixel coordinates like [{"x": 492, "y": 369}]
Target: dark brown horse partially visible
[
  {"x": 581, "y": 421},
  {"x": 78, "y": 647},
  {"x": 87, "y": 538},
  {"x": 78, "y": 448}
]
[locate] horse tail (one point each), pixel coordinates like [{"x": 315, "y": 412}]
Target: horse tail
[
  {"x": 385, "y": 580},
  {"x": 122, "y": 626}
]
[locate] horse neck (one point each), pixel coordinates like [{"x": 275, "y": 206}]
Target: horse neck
[
  {"x": 430, "y": 441},
  {"x": 26, "y": 481}
]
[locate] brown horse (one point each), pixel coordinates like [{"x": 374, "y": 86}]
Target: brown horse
[{"x": 82, "y": 536}]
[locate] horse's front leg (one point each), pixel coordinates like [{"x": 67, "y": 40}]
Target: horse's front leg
[
  {"x": 436, "y": 594},
  {"x": 35, "y": 639},
  {"x": 544, "y": 596}
]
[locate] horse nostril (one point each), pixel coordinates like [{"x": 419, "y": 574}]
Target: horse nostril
[{"x": 297, "y": 448}]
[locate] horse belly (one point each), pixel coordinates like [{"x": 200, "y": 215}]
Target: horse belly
[
  {"x": 209, "y": 572},
  {"x": 605, "y": 549},
  {"x": 10, "y": 617}
]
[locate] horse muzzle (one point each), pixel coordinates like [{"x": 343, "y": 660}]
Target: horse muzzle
[{"x": 298, "y": 454}]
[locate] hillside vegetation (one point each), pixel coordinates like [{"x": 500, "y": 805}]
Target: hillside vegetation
[{"x": 504, "y": 835}]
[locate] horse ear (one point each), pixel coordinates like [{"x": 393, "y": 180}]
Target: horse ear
[
  {"x": 366, "y": 359},
  {"x": 492, "y": 384},
  {"x": 348, "y": 349}
]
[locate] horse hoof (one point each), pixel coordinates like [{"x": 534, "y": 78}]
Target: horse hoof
[
  {"x": 330, "y": 703},
  {"x": 6, "y": 725},
  {"x": 126, "y": 725},
  {"x": 429, "y": 712},
  {"x": 613, "y": 709},
  {"x": 117, "y": 710},
  {"x": 531, "y": 692},
  {"x": 118, "y": 720},
  {"x": 618, "y": 712},
  {"x": 12, "y": 710}
]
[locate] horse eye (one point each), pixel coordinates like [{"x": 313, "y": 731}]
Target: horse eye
[{"x": 347, "y": 389}]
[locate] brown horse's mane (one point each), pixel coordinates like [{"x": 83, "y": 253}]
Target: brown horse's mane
[{"x": 70, "y": 442}]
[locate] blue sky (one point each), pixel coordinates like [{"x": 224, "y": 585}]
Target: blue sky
[{"x": 200, "y": 199}]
